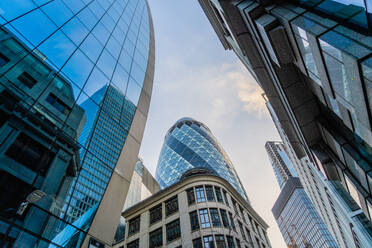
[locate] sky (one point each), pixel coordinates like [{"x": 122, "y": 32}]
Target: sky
[{"x": 196, "y": 77}]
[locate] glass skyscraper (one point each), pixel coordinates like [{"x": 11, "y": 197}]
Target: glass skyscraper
[
  {"x": 298, "y": 221},
  {"x": 190, "y": 144},
  {"x": 75, "y": 80}
]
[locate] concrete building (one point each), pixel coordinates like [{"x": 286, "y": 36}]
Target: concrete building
[
  {"x": 190, "y": 144},
  {"x": 313, "y": 61},
  {"x": 190, "y": 213},
  {"x": 80, "y": 74},
  {"x": 142, "y": 185}
]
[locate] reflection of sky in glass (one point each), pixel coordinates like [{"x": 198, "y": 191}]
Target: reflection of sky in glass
[
  {"x": 101, "y": 49},
  {"x": 189, "y": 146}
]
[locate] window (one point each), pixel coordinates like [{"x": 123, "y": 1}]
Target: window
[
  {"x": 242, "y": 230},
  {"x": 190, "y": 196},
  {"x": 200, "y": 196},
  {"x": 225, "y": 220},
  {"x": 210, "y": 193},
  {"x": 171, "y": 206},
  {"x": 232, "y": 221},
  {"x": 3, "y": 60},
  {"x": 34, "y": 155},
  {"x": 204, "y": 218},
  {"x": 27, "y": 79},
  {"x": 57, "y": 104},
  {"x": 134, "y": 225},
  {"x": 242, "y": 212},
  {"x": 234, "y": 205},
  {"x": 248, "y": 235},
  {"x": 197, "y": 243},
  {"x": 173, "y": 230},
  {"x": 156, "y": 238},
  {"x": 208, "y": 241},
  {"x": 238, "y": 243},
  {"x": 155, "y": 214},
  {"x": 215, "y": 217},
  {"x": 194, "y": 220},
  {"x": 133, "y": 244},
  {"x": 225, "y": 196},
  {"x": 218, "y": 194},
  {"x": 230, "y": 242},
  {"x": 220, "y": 241}
]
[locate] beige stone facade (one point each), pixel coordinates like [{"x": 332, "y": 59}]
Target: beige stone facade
[{"x": 216, "y": 205}]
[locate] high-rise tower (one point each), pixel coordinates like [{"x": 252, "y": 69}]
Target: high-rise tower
[
  {"x": 293, "y": 210},
  {"x": 190, "y": 144},
  {"x": 75, "y": 87},
  {"x": 313, "y": 61}
]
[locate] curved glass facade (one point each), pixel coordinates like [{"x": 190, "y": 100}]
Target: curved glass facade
[
  {"x": 190, "y": 144},
  {"x": 79, "y": 66}
]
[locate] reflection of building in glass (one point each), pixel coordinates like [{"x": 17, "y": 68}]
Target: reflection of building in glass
[
  {"x": 190, "y": 144},
  {"x": 142, "y": 185},
  {"x": 313, "y": 61},
  {"x": 79, "y": 80}
]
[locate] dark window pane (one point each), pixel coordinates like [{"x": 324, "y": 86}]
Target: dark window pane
[
  {"x": 197, "y": 243},
  {"x": 156, "y": 238},
  {"x": 134, "y": 225},
  {"x": 173, "y": 230},
  {"x": 171, "y": 206},
  {"x": 190, "y": 196},
  {"x": 238, "y": 243},
  {"x": 225, "y": 196},
  {"x": 209, "y": 192},
  {"x": 156, "y": 214},
  {"x": 225, "y": 220},
  {"x": 3, "y": 60},
  {"x": 230, "y": 242},
  {"x": 58, "y": 104},
  {"x": 194, "y": 221},
  {"x": 133, "y": 244},
  {"x": 220, "y": 241},
  {"x": 30, "y": 153},
  {"x": 27, "y": 79},
  {"x": 218, "y": 194},
  {"x": 215, "y": 217}
]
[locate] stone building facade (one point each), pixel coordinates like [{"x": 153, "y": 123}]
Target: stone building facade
[{"x": 201, "y": 210}]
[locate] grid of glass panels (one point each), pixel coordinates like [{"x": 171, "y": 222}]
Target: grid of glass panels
[
  {"x": 300, "y": 221},
  {"x": 95, "y": 52},
  {"x": 190, "y": 145}
]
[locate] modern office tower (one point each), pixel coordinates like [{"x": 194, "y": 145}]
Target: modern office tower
[
  {"x": 293, "y": 210},
  {"x": 282, "y": 165},
  {"x": 142, "y": 185},
  {"x": 338, "y": 213},
  {"x": 298, "y": 221},
  {"x": 313, "y": 61},
  {"x": 190, "y": 144},
  {"x": 194, "y": 213},
  {"x": 76, "y": 80}
]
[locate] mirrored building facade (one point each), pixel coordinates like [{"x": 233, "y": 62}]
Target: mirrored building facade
[
  {"x": 313, "y": 61},
  {"x": 75, "y": 87},
  {"x": 190, "y": 144}
]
